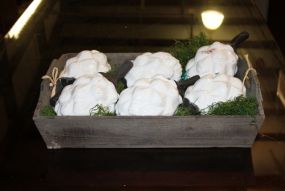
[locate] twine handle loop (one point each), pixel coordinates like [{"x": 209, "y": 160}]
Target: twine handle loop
[
  {"x": 53, "y": 80},
  {"x": 250, "y": 68}
]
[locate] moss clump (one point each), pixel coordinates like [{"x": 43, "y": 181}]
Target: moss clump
[
  {"x": 184, "y": 51},
  {"x": 100, "y": 110},
  {"x": 238, "y": 106},
  {"x": 113, "y": 71},
  {"x": 120, "y": 87},
  {"x": 187, "y": 110},
  {"x": 47, "y": 111}
]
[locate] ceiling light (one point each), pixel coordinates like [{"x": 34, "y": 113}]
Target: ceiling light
[
  {"x": 22, "y": 21},
  {"x": 212, "y": 19}
]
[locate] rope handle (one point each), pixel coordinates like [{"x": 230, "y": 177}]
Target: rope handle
[
  {"x": 53, "y": 80},
  {"x": 250, "y": 68}
]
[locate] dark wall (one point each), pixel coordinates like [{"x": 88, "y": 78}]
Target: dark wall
[
  {"x": 276, "y": 22},
  {"x": 8, "y": 14}
]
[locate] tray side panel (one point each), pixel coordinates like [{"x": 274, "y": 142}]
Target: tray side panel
[{"x": 150, "y": 132}]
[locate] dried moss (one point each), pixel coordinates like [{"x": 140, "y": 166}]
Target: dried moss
[
  {"x": 100, "y": 110},
  {"x": 47, "y": 111},
  {"x": 183, "y": 110},
  {"x": 238, "y": 106}
]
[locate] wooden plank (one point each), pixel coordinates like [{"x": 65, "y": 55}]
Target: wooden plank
[
  {"x": 133, "y": 132},
  {"x": 147, "y": 131}
]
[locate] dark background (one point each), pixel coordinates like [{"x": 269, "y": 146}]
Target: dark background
[{"x": 11, "y": 9}]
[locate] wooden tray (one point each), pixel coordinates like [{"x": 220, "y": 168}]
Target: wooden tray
[{"x": 148, "y": 131}]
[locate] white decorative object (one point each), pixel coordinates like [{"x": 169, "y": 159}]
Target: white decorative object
[
  {"x": 217, "y": 58},
  {"x": 86, "y": 63},
  {"x": 85, "y": 93},
  {"x": 156, "y": 96},
  {"x": 149, "y": 65},
  {"x": 214, "y": 88}
]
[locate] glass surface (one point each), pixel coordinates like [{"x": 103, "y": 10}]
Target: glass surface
[{"x": 64, "y": 26}]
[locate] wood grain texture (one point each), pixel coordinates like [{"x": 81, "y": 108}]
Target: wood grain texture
[{"x": 148, "y": 131}]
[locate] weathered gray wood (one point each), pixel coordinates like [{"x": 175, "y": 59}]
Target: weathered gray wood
[
  {"x": 146, "y": 132},
  {"x": 83, "y": 132}
]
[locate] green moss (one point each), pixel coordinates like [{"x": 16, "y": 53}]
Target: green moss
[
  {"x": 120, "y": 87},
  {"x": 113, "y": 71},
  {"x": 238, "y": 106},
  {"x": 47, "y": 111},
  {"x": 184, "y": 51},
  {"x": 184, "y": 111},
  {"x": 100, "y": 110}
]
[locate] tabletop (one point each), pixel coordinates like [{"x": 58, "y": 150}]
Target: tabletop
[{"x": 63, "y": 26}]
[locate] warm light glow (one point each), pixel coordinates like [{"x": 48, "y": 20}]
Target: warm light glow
[
  {"x": 281, "y": 87},
  {"x": 22, "y": 21},
  {"x": 212, "y": 19}
]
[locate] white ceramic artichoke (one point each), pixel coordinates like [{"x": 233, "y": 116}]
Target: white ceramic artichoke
[
  {"x": 85, "y": 93},
  {"x": 155, "y": 96},
  {"x": 86, "y": 63},
  {"x": 214, "y": 88},
  {"x": 217, "y": 58},
  {"x": 149, "y": 65}
]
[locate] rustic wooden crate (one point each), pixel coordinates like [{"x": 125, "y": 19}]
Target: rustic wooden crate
[{"x": 146, "y": 131}]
